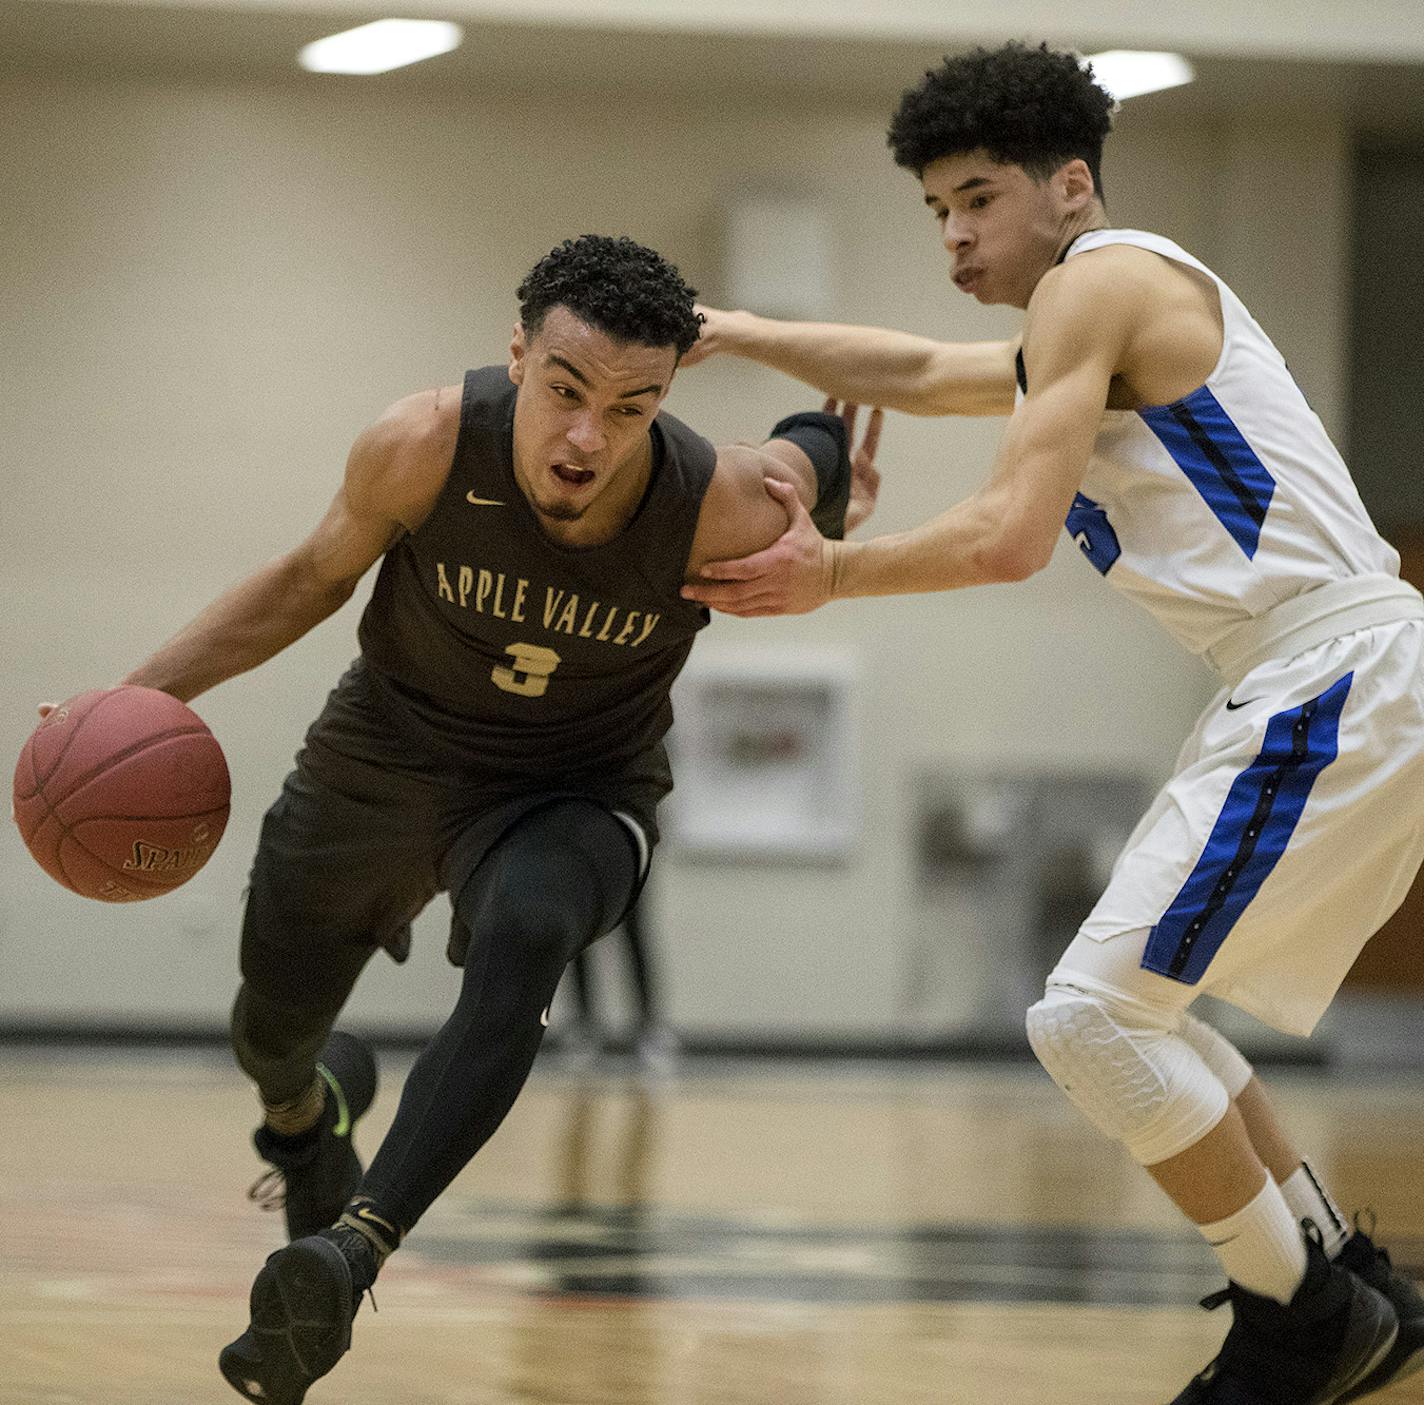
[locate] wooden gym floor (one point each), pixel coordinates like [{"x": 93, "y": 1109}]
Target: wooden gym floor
[{"x": 733, "y": 1235}]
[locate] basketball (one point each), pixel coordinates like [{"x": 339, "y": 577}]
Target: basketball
[{"x": 121, "y": 794}]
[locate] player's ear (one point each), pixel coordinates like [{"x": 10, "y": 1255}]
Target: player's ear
[
  {"x": 1077, "y": 183},
  {"x": 517, "y": 348}
]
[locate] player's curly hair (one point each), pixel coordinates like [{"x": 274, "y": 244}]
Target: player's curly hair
[
  {"x": 1034, "y": 108},
  {"x": 624, "y": 289}
]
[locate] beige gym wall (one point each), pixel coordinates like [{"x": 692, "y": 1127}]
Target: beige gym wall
[{"x": 209, "y": 288}]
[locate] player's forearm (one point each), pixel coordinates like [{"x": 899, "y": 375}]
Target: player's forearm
[
  {"x": 871, "y": 365},
  {"x": 965, "y": 546},
  {"x": 244, "y": 627}
]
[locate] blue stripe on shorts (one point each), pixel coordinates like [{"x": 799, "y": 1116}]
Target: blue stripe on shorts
[{"x": 1262, "y": 809}]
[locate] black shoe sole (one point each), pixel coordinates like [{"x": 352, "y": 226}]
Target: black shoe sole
[{"x": 302, "y": 1306}]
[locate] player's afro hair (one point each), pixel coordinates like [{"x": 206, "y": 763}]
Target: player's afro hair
[
  {"x": 1033, "y": 108},
  {"x": 625, "y": 290}
]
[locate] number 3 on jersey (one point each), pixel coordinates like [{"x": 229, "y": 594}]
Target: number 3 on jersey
[{"x": 528, "y": 674}]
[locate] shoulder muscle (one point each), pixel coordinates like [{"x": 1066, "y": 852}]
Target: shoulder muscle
[
  {"x": 1085, "y": 310},
  {"x": 398, "y": 464},
  {"x": 394, "y": 473}
]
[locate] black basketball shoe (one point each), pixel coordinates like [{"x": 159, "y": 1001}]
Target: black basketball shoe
[
  {"x": 1329, "y": 1338},
  {"x": 316, "y": 1173},
  {"x": 1371, "y": 1264},
  {"x": 303, "y": 1302}
]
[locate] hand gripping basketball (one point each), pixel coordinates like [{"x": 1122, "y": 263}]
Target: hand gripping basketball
[{"x": 121, "y": 793}]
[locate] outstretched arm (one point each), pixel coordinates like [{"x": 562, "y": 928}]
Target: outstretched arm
[
  {"x": 1075, "y": 338},
  {"x": 869, "y": 365},
  {"x": 393, "y": 474}
]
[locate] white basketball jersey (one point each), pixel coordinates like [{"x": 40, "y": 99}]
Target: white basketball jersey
[{"x": 1214, "y": 509}]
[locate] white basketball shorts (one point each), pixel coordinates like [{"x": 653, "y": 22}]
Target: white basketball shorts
[{"x": 1292, "y": 829}]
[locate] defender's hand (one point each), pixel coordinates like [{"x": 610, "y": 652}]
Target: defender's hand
[
  {"x": 864, "y": 476},
  {"x": 791, "y": 576},
  {"x": 710, "y": 339}
]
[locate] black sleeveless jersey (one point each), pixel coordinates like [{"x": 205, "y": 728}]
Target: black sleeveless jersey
[{"x": 517, "y": 656}]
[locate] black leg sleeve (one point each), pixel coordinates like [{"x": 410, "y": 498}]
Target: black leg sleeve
[
  {"x": 301, "y": 956},
  {"x": 276, "y": 1045},
  {"x": 558, "y": 880}
]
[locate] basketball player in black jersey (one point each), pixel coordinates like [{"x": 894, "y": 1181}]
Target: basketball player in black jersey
[{"x": 499, "y": 738}]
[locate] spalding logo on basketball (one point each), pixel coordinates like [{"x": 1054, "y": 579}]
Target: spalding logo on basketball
[{"x": 122, "y": 794}]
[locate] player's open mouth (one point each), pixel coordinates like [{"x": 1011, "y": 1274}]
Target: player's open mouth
[
  {"x": 966, "y": 278},
  {"x": 574, "y": 477}
]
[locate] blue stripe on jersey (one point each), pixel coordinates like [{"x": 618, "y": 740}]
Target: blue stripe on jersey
[
  {"x": 1261, "y": 811},
  {"x": 1221, "y": 465}
]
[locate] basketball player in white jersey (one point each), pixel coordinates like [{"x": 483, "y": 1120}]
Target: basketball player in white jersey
[{"x": 1149, "y": 412}]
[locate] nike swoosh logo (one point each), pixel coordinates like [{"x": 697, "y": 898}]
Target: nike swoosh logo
[
  {"x": 1232, "y": 706},
  {"x": 482, "y": 502}
]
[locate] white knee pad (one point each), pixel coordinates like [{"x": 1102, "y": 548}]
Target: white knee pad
[
  {"x": 1221, "y": 1056},
  {"x": 1218, "y": 1054},
  {"x": 1125, "y": 1067}
]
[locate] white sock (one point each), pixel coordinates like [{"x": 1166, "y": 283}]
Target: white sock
[
  {"x": 1309, "y": 1200},
  {"x": 1261, "y": 1247}
]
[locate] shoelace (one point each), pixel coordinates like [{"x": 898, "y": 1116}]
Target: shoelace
[{"x": 369, "y": 1291}]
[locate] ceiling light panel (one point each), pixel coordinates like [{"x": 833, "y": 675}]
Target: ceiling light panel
[
  {"x": 380, "y": 46},
  {"x": 1128, "y": 73}
]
